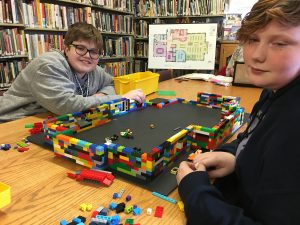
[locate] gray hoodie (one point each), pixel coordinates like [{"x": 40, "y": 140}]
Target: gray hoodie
[{"x": 48, "y": 84}]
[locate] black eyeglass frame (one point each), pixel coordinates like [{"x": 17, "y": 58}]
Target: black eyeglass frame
[{"x": 86, "y": 50}]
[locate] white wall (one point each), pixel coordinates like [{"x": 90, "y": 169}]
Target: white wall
[{"x": 240, "y": 6}]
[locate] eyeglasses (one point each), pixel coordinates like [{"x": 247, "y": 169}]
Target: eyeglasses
[{"x": 82, "y": 50}]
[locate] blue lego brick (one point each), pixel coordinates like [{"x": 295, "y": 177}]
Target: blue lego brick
[{"x": 127, "y": 150}]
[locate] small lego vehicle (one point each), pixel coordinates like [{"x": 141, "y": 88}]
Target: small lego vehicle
[{"x": 103, "y": 177}]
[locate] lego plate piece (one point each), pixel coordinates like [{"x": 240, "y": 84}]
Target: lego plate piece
[{"x": 5, "y": 195}]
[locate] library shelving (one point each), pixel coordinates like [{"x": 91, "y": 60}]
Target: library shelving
[
  {"x": 171, "y": 12},
  {"x": 29, "y": 28}
]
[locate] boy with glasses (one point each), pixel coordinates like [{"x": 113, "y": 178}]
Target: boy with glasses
[{"x": 63, "y": 82}]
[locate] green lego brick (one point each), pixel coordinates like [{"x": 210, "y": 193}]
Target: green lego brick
[
  {"x": 166, "y": 93},
  {"x": 22, "y": 144},
  {"x": 206, "y": 129},
  {"x": 129, "y": 221},
  {"x": 67, "y": 132}
]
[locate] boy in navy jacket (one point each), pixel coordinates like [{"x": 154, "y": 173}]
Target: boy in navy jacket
[{"x": 257, "y": 175}]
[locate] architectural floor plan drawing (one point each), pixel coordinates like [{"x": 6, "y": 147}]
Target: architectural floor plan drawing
[{"x": 183, "y": 46}]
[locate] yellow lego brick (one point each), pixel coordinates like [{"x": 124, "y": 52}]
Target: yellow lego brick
[
  {"x": 149, "y": 165},
  {"x": 177, "y": 136},
  {"x": 124, "y": 158},
  {"x": 180, "y": 205},
  {"x": 110, "y": 155},
  {"x": 5, "y": 195}
]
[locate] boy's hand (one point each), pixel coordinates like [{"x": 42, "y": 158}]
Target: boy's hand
[
  {"x": 218, "y": 164},
  {"x": 186, "y": 168},
  {"x": 137, "y": 95}
]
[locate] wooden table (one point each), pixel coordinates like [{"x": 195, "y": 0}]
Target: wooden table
[{"x": 43, "y": 194}]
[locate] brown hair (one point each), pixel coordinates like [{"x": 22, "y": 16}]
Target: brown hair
[
  {"x": 286, "y": 12},
  {"x": 83, "y": 31}
]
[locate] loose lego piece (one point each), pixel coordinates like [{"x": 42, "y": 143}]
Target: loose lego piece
[
  {"x": 164, "y": 197},
  {"x": 29, "y": 125},
  {"x": 166, "y": 93},
  {"x": 22, "y": 144},
  {"x": 113, "y": 206},
  {"x": 128, "y": 209},
  {"x": 120, "y": 207},
  {"x": 22, "y": 149},
  {"x": 149, "y": 211},
  {"x": 174, "y": 170},
  {"x": 128, "y": 198},
  {"x": 193, "y": 155},
  {"x": 37, "y": 128},
  {"x": 129, "y": 221},
  {"x": 177, "y": 128},
  {"x": 86, "y": 207},
  {"x": 63, "y": 222},
  {"x": 79, "y": 220},
  {"x": 112, "y": 220},
  {"x": 114, "y": 137},
  {"x": 137, "y": 211},
  {"x": 115, "y": 195},
  {"x": 127, "y": 134},
  {"x": 5, "y": 147},
  {"x": 5, "y": 194},
  {"x": 180, "y": 205},
  {"x": 108, "y": 141},
  {"x": 121, "y": 192},
  {"x": 104, "y": 212},
  {"x": 159, "y": 211}
]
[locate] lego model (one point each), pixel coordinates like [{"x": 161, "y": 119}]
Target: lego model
[
  {"x": 103, "y": 177},
  {"x": 148, "y": 162}
]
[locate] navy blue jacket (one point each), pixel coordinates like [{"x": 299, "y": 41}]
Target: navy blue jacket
[{"x": 265, "y": 187}]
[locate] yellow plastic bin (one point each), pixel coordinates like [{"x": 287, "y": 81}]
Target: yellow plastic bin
[
  {"x": 147, "y": 81},
  {"x": 4, "y": 195}
]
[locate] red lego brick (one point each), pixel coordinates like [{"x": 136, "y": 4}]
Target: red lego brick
[{"x": 159, "y": 211}]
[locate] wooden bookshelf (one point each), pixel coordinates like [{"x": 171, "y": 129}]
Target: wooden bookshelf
[{"x": 36, "y": 27}]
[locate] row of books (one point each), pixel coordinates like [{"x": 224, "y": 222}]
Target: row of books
[
  {"x": 15, "y": 42},
  {"x": 108, "y": 22},
  {"x": 118, "y": 47},
  {"x": 9, "y": 12},
  {"x": 53, "y": 16},
  {"x": 153, "y": 8},
  {"x": 9, "y": 70},
  {"x": 122, "y": 5},
  {"x": 141, "y": 49},
  {"x": 38, "y": 44},
  {"x": 82, "y": 1},
  {"x": 12, "y": 42},
  {"x": 118, "y": 68},
  {"x": 231, "y": 25},
  {"x": 141, "y": 28},
  {"x": 140, "y": 65}
]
